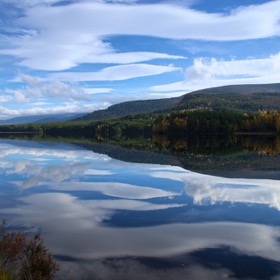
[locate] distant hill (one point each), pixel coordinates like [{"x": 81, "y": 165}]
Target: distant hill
[
  {"x": 131, "y": 108},
  {"x": 41, "y": 118},
  {"x": 242, "y": 89},
  {"x": 244, "y": 97}
]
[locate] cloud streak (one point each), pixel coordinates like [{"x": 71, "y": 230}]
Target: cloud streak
[
  {"x": 116, "y": 73},
  {"x": 59, "y": 43},
  {"x": 59, "y": 109}
]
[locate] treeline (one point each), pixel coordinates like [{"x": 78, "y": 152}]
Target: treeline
[
  {"x": 215, "y": 144},
  {"x": 173, "y": 125},
  {"x": 17, "y": 128},
  {"x": 131, "y": 126},
  {"x": 63, "y": 129},
  {"x": 190, "y": 144},
  {"x": 200, "y": 122}
]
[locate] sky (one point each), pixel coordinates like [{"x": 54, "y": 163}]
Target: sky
[{"x": 78, "y": 56}]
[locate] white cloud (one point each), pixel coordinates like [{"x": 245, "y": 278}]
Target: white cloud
[
  {"x": 207, "y": 69},
  {"x": 29, "y": 3},
  {"x": 122, "y": 1},
  {"x": 61, "y": 42},
  {"x": 129, "y": 57},
  {"x": 210, "y": 72},
  {"x": 97, "y": 90},
  {"x": 63, "y": 108},
  {"x": 116, "y": 73},
  {"x": 36, "y": 88},
  {"x": 56, "y": 51},
  {"x": 33, "y": 3},
  {"x": 168, "y": 21}
]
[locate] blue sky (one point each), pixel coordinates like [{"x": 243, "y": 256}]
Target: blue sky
[{"x": 84, "y": 55}]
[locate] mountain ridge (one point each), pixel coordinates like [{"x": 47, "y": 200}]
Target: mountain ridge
[
  {"x": 242, "y": 89},
  {"x": 244, "y": 97},
  {"x": 32, "y": 119},
  {"x": 249, "y": 97},
  {"x": 131, "y": 108}
]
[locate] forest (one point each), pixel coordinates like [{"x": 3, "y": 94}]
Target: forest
[
  {"x": 200, "y": 122},
  {"x": 173, "y": 125}
]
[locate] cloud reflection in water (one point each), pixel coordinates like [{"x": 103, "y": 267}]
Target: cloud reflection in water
[{"x": 82, "y": 190}]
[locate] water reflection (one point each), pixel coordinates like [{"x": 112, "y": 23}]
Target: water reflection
[
  {"x": 107, "y": 219},
  {"x": 206, "y": 189}
]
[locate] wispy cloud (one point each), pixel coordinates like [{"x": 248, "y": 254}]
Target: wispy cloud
[
  {"x": 130, "y": 57},
  {"x": 33, "y": 3},
  {"x": 116, "y": 73},
  {"x": 61, "y": 43},
  {"x": 97, "y": 90},
  {"x": 29, "y": 3}
]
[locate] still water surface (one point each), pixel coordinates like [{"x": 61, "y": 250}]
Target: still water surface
[{"x": 103, "y": 218}]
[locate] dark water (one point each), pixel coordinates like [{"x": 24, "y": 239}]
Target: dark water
[{"x": 104, "y": 218}]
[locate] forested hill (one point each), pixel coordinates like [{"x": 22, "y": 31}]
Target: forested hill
[
  {"x": 242, "y": 89},
  {"x": 244, "y": 97},
  {"x": 131, "y": 108}
]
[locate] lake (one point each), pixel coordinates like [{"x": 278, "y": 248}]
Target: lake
[{"x": 143, "y": 215}]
